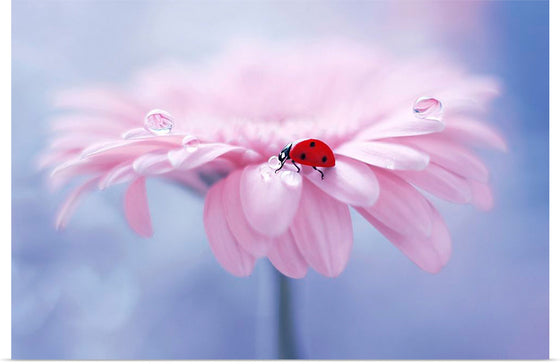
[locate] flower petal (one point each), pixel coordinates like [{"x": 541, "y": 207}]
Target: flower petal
[
  {"x": 475, "y": 133},
  {"x": 136, "y": 208},
  {"x": 401, "y": 207},
  {"x": 401, "y": 124},
  {"x": 481, "y": 195},
  {"x": 385, "y": 155},
  {"x": 322, "y": 229},
  {"x": 119, "y": 174},
  {"x": 453, "y": 157},
  {"x": 152, "y": 163},
  {"x": 269, "y": 200},
  {"x": 187, "y": 159},
  {"x": 431, "y": 253},
  {"x": 131, "y": 147},
  {"x": 439, "y": 182},
  {"x": 69, "y": 205},
  {"x": 285, "y": 256},
  {"x": 349, "y": 181},
  {"x": 226, "y": 249},
  {"x": 251, "y": 241}
]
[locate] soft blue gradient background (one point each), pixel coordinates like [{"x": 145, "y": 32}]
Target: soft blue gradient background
[{"x": 98, "y": 291}]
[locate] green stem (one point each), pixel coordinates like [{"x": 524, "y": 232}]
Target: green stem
[{"x": 286, "y": 330}]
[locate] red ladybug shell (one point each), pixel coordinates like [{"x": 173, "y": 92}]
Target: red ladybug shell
[{"x": 312, "y": 152}]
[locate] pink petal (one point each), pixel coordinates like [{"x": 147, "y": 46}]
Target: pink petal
[
  {"x": 69, "y": 205},
  {"x": 481, "y": 195},
  {"x": 429, "y": 253},
  {"x": 74, "y": 141},
  {"x": 475, "y": 133},
  {"x": 269, "y": 200},
  {"x": 453, "y": 157},
  {"x": 439, "y": 182},
  {"x": 54, "y": 157},
  {"x": 285, "y": 256},
  {"x": 152, "y": 163},
  {"x": 251, "y": 241},
  {"x": 226, "y": 249},
  {"x": 136, "y": 208},
  {"x": 185, "y": 159},
  {"x": 136, "y": 133},
  {"x": 401, "y": 124},
  {"x": 401, "y": 207},
  {"x": 349, "y": 181},
  {"x": 322, "y": 229},
  {"x": 132, "y": 147},
  {"x": 120, "y": 174},
  {"x": 385, "y": 155},
  {"x": 77, "y": 167}
]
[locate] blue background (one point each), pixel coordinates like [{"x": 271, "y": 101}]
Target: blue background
[{"x": 98, "y": 291}]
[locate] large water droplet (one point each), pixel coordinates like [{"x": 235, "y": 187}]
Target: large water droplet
[
  {"x": 191, "y": 143},
  {"x": 290, "y": 179},
  {"x": 274, "y": 162},
  {"x": 158, "y": 122},
  {"x": 425, "y": 107},
  {"x": 266, "y": 173}
]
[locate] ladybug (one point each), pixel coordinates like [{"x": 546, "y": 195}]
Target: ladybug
[{"x": 309, "y": 152}]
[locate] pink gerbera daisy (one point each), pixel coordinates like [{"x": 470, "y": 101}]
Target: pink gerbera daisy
[{"x": 396, "y": 127}]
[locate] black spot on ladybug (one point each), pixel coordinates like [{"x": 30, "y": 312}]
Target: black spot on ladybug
[
  {"x": 324, "y": 158},
  {"x": 312, "y": 144},
  {"x": 302, "y": 156}
]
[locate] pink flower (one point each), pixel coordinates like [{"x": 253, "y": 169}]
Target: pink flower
[{"x": 224, "y": 120}]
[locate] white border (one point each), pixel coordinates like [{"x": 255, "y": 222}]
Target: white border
[
  {"x": 6, "y": 197},
  {"x": 5, "y": 152}
]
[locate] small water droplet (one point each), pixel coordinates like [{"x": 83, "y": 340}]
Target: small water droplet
[
  {"x": 274, "y": 162},
  {"x": 266, "y": 173},
  {"x": 425, "y": 107},
  {"x": 191, "y": 143},
  {"x": 290, "y": 179},
  {"x": 158, "y": 122}
]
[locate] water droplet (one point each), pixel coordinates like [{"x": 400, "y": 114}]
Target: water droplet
[
  {"x": 266, "y": 173},
  {"x": 191, "y": 143},
  {"x": 290, "y": 179},
  {"x": 274, "y": 162},
  {"x": 425, "y": 107},
  {"x": 158, "y": 122}
]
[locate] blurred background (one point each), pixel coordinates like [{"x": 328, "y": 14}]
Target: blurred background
[{"x": 97, "y": 291}]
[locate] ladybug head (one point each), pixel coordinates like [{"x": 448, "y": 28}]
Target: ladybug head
[{"x": 285, "y": 154}]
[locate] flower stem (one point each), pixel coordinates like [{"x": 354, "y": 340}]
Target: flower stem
[{"x": 286, "y": 337}]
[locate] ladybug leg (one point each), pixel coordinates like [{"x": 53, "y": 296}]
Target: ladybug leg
[
  {"x": 318, "y": 170},
  {"x": 279, "y": 168},
  {"x": 294, "y": 163}
]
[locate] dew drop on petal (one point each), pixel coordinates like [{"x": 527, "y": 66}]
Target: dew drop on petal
[
  {"x": 266, "y": 173},
  {"x": 158, "y": 122},
  {"x": 191, "y": 143},
  {"x": 290, "y": 179},
  {"x": 425, "y": 107},
  {"x": 274, "y": 162}
]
